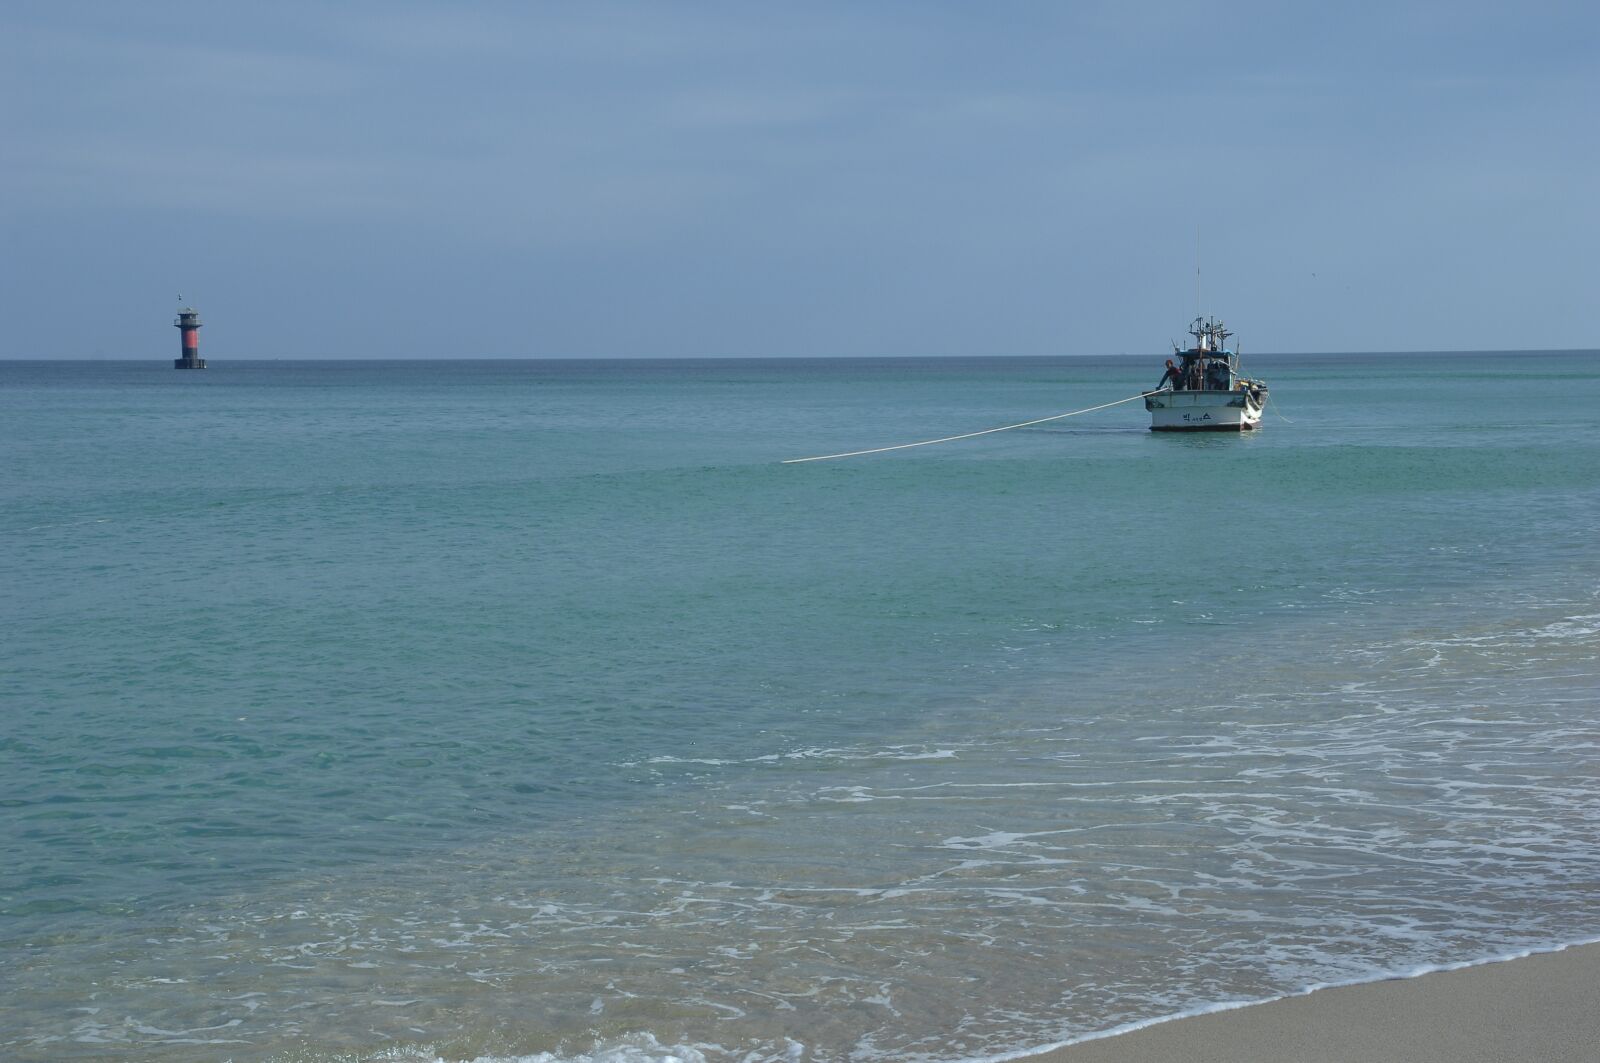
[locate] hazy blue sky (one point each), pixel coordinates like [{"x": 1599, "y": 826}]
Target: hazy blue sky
[{"x": 613, "y": 179}]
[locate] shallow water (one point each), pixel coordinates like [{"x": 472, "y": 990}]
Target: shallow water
[{"x": 404, "y": 710}]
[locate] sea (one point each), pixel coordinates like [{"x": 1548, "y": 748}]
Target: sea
[{"x": 538, "y": 711}]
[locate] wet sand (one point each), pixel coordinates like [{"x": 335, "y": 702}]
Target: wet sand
[{"x": 1543, "y": 1008}]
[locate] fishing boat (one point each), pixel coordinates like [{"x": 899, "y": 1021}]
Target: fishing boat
[{"x": 1203, "y": 391}]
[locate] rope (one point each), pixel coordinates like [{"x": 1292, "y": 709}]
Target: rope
[{"x": 968, "y": 435}]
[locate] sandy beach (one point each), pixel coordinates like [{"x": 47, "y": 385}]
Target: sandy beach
[{"x": 1543, "y": 1008}]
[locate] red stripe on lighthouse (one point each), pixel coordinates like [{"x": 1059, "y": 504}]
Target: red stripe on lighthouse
[{"x": 191, "y": 338}]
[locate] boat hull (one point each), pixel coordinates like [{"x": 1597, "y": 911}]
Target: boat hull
[{"x": 1205, "y": 411}]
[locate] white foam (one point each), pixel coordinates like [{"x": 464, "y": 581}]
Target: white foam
[
  {"x": 636, "y": 1048},
  {"x": 810, "y": 753}
]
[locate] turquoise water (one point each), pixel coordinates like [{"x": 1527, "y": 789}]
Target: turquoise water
[{"x": 392, "y": 710}]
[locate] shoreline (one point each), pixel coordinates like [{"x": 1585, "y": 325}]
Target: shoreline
[{"x": 1542, "y": 1005}]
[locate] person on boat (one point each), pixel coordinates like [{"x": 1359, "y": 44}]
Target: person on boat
[{"x": 1173, "y": 374}]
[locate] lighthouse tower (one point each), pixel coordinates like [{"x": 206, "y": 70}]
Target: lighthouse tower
[{"x": 189, "y": 322}]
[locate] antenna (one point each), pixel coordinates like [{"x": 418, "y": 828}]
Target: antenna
[{"x": 1197, "y": 271}]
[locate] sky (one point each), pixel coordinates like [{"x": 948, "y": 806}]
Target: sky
[{"x": 753, "y": 179}]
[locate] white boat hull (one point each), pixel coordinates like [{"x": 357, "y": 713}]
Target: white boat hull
[{"x": 1205, "y": 411}]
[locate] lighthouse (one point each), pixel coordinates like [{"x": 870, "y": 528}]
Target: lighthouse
[{"x": 189, "y": 324}]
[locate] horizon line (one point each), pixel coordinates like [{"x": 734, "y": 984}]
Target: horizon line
[{"x": 796, "y": 357}]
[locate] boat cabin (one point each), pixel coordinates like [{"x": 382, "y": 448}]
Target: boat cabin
[{"x": 1207, "y": 365}]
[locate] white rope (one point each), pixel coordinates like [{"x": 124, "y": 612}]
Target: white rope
[{"x": 967, "y": 435}]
